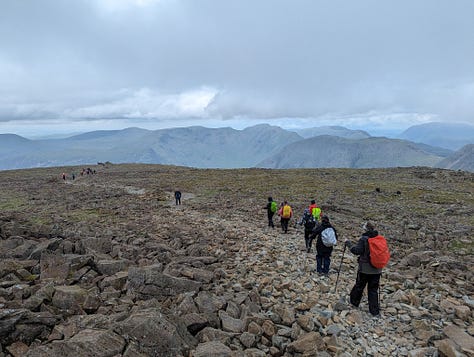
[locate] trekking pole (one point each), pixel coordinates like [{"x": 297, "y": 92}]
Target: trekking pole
[
  {"x": 380, "y": 288},
  {"x": 339, "y": 270}
]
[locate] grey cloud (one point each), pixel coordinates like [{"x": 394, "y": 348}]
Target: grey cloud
[{"x": 264, "y": 59}]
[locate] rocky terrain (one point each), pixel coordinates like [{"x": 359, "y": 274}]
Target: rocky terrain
[{"x": 108, "y": 265}]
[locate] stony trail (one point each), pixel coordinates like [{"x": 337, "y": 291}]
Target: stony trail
[{"x": 110, "y": 266}]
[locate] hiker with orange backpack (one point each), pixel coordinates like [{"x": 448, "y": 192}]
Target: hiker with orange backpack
[
  {"x": 286, "y": 214},
  {"x": 373, "y": 253}
]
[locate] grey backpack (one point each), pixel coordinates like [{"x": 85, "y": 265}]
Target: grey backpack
[{"x": 328, "y": 236}]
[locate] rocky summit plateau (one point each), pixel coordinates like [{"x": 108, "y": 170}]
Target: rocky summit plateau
[{"x": 108, "y": 265}]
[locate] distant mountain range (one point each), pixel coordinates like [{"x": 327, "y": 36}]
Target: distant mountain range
[
  {"x": 332, "y": 151},
  {"x": 333, "y": 131},
  {"x": 445, "y": 135},
  {"x": 257, "y": 146},
  {"x": 461, "y": 160}
]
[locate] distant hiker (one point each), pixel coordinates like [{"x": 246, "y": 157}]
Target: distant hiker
[
  {"x": 309, "y": 224},
  {"x": 73, "y": 176},
  {"x": 64, "y": 176},
  {"x": 286, "y": 214},
  {"x": 315, "y": 210},
  {"x": 177, "y": 197},
  {"x": 326, "y": 239},
  {"x": 271, "y": 208},
  {"x": 367, "y": 273}
]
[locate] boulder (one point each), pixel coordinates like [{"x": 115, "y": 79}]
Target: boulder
[
  {"x": 88, "y": 342},
  {"x": 156, "y": 333},
  {"x": 212, "y": 349},
  {"x": 110, "y": 267},
  {"x": 69, "y": 298},
  {"x": 312, "y": 341},
  {"x": 149, "y": 282}
]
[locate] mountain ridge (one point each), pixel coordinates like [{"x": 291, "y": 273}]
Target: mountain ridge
[{"x": 201, "y": 147}]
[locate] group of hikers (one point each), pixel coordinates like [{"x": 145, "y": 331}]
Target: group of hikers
[
  {"x": 84, "y": 171},
  {"x": 371, "y": 248}
]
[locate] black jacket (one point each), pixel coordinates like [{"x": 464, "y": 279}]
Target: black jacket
[
  {"x": 361, "y": 248},
  {"x": 268, "y": 207},
  {"x": 320, "y": 247}
]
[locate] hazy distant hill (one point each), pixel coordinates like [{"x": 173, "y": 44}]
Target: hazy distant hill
[
  {"x": 261, "y": 145},
  {"x": 331, "y": 151},
  {"x": 450, "y": 136},
  {"x": 191, "y": 146},
  {"x": 334, "y": 131},
  {"x": 462, "y": 159}
]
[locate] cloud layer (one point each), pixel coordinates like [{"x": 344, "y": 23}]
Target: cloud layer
[{"x": 159, "y": 60}]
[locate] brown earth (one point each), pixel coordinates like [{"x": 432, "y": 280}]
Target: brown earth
[{"x": 108, "y": 265}]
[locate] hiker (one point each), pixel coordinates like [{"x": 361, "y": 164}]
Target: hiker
[
  {"x": 271, "y": 208},
  {"x": 315, "y": 210},
  {"x": 177, "y": 197},
  {"x": 286, "y": 214},
  {"x": 326, "y": 238},
  {"x": 309, "y": 224},
  {"x": 366, "y": 273},
  {"x": 64, "y": 176}
]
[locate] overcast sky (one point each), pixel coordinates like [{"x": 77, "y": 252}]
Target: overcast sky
[{"x": 70, "y": 66}]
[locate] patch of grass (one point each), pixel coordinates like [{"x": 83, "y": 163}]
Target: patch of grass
[
  {"x": 465, "y": 245},
  {"x": 84, "y": 214},
  {"x": 12, "y": 204},
  {"x": 39, "y": 220}
]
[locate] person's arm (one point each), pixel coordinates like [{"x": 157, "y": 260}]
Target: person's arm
[
  {"x": 317, "y": 230},
  {"x": 358, "y": 248}
]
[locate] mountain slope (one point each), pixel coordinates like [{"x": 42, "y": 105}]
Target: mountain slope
[
  {"x": 462, "y": 159},
  {"x": 333, "y": 131},
  {"x": 331, "y": 151},
  {"x": 191, "y": 146},
  {"x": 449, "y": 136}
]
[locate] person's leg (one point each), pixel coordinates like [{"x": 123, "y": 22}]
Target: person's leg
[
  {"x": 270, "y": 219},
  {"x": 310, "y": 241},
  {"x": 307, "y": 241},
  {"x": 319, "y": 263},
  {"x": 373, "y": 290},
  {"x": 358, "y": 289},
  {"x": 326, "y": 263}
]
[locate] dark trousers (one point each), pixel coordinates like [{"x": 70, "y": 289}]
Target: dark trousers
[
  {"x": 372, "y": 281},
  {"x": 323, "y": 260},
  {"x": 178, "y": 200},
  {"x": 284, "y": 224},
  {"x": 270, "y": 219},
  {"x": 307, "y": 240}
]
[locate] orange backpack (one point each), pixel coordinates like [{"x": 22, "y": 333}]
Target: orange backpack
[{"x": 379, "y": 253}]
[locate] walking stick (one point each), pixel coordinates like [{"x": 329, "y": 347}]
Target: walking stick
[{"x": 339, "y": 270}]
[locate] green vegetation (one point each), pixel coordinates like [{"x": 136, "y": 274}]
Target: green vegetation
[{"x": 462, "y": 247}]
